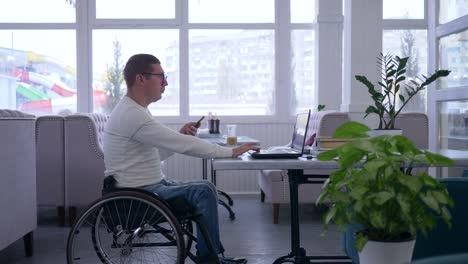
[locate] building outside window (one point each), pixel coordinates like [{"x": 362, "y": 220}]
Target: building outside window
[{"x": 216, "y": 60}]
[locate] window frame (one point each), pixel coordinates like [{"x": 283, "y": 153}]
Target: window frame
[
  {"x": 435, "y": 96},
  {"x": 86, "y": 22}
]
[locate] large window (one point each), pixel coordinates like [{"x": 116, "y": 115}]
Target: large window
[
  {"x": 448, "y": 100},
  {"x": 38, "y": 70},
  {"x": 454, "y": 124},
  {"x": 452, "y": 9},
  {"x": 303, "y": 11},
  {"x": 231, "y": 11},
  {"x": 112, "y": 48},
  {"x": 303, "y": 46},
  {"x": 33, "y": 11},
  {"x": 231, "y": 57},
  {"x": 412, "y": 44},
  {"x": 38, "y": 63},
  {"x": 303, "y": 67},
  {"x": 403, "y": 9},
  {"x": 453, "y": 55},
  {"x": 141, "y": 9},
  {"x": 231, "y": 72},
  {"x": 405, "y": 35}
]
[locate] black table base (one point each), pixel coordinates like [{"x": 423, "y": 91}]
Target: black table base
[{"x": 298, "y": 255}]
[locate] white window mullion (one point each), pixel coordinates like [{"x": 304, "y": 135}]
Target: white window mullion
[
  {"x": 458, "y": 93},
  {"x": 233, "y": 26},
  {"x": 283, "y": 73},
  {"x": 183, "y": 60},
  {"x": 138, "y": 23},
  {"x": 84, "y": 57},
  {"x": 454, "y": 26},
  {"x": 389, "y": 24},
  {"x": 32, "y": 26},
  {"x": 431, "y": 90}
]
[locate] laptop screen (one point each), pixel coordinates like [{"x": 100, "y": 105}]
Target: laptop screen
[{"x": 300, "y": 131}]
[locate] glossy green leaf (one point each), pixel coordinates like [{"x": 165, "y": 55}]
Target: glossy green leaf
[{"x": 351, "y": 129}]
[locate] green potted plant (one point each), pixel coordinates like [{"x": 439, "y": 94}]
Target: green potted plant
[
  {"x": 374, "y": 187},
  {"x": 387, "y": 94}
]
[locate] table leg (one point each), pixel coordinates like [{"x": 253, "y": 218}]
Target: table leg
[
  {"x": 298, "y": 254},
  {"x": 204, "y": 169},
  {"x": 213, "y": 176}
]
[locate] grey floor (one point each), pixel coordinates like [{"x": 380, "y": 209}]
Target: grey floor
[{"x": 252, "y": 235}]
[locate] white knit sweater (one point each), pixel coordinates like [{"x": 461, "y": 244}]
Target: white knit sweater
[{"x": 135, "y": 143}]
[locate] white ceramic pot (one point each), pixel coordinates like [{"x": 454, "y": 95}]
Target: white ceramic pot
[
  {"x": 379, "y": 132},
  {"x": 387, "y": 252}
]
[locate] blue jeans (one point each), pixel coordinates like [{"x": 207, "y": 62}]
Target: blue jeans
[{"x": 202, "y": 195}]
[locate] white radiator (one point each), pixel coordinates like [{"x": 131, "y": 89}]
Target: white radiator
[{"x": 185, "y": 168}]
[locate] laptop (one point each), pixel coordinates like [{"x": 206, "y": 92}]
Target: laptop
[{"x": 297, "y": 143}]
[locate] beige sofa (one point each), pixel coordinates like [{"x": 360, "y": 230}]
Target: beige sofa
[
  {"x": 18, "y": 209},
  {"x": 50, "y": 163},
  {"x": 84, "y": 160},
  {"x": 274, "y": 184}
]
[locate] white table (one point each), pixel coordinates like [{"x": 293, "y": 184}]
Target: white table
[
  {"x": 296, "y": 176},
  {"x": 221, "y": 140}
]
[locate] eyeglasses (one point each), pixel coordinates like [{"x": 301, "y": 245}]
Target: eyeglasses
[{"x": 157, "y": 74}]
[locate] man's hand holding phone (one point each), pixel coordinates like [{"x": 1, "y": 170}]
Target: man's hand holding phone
[{"x": 191, "y": 128}]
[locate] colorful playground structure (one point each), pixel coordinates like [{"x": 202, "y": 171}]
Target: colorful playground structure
[{"x": 42, "y": 84}]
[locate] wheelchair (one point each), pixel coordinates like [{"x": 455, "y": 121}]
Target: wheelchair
[{"x": 131, "y": 225}]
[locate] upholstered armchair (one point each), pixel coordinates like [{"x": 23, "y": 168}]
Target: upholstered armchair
[
  {"x": 84, "y": 160},
  {"x": 274, "y": 184},
  {"x": 415, "y": 126},
  {"x": 18, "y": 209},
  {"x": 50, "y": 163}
]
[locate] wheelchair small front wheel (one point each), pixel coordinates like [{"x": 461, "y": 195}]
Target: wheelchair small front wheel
[{"x": 126, "y": 227}]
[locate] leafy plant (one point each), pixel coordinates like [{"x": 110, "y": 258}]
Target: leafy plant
[
  {"x": 393, "y": 69},
  {"x": 374, "y": 186},
  {"x": 320, "y": 107}
]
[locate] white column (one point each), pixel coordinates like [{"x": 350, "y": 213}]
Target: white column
[
  {"x": 362, "y": 45},
  {"x": 84, "y": 56},
  {"x": 432, "y": 110},
  {"x": 329, "y": 37},
  {"x": 283, "y": 97}
]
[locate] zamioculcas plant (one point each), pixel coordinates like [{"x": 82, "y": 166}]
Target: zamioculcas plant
[{"x": 393, "y": 69}]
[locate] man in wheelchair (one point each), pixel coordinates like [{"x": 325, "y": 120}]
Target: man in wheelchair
[{"x": 135, "y": 143}]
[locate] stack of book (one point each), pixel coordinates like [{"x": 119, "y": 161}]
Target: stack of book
[{"x": 327, "y": 143}]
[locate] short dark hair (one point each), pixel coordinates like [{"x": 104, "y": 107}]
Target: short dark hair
[{"x": 138, "y": 64}]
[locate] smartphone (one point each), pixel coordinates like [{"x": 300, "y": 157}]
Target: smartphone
[{"x": 197, "y": 125}]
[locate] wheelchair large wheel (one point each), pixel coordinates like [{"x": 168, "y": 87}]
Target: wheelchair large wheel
[{"x": 126, "y": 227}]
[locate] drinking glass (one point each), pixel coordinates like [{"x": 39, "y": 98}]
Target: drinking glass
[{"x": 231, "y": 139}]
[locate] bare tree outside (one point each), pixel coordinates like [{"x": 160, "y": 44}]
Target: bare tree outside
[
  {"x": 408, "y": 49},
  {"x": 114, "y": 79},
  {"x": 71, "y": 2},
  {"x": 228, "y": 84}
]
